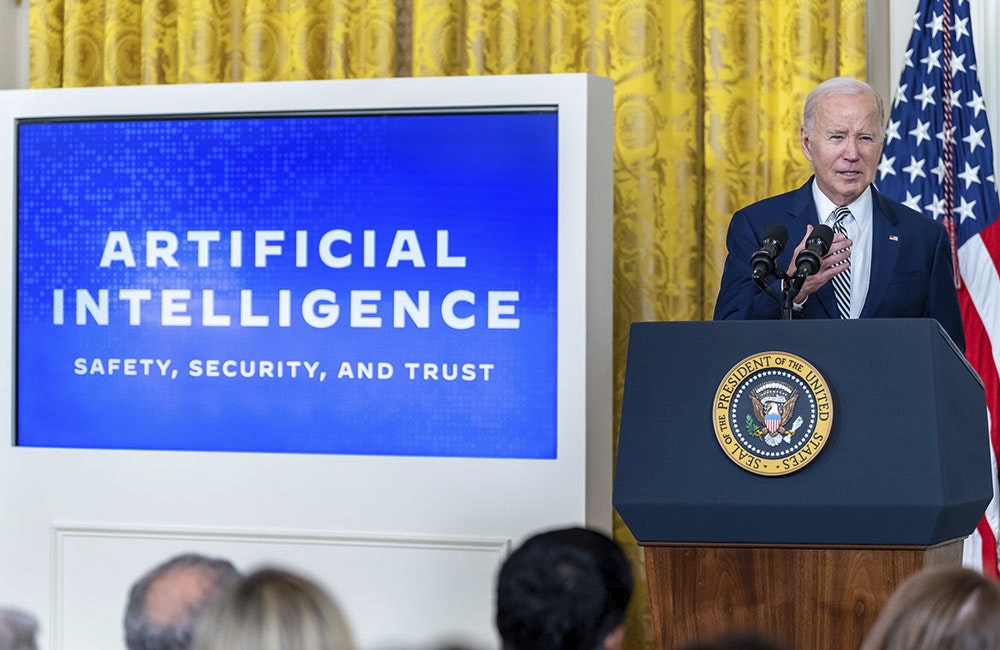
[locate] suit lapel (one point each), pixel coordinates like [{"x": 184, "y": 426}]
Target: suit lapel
[{"x": 886, "y": 240}]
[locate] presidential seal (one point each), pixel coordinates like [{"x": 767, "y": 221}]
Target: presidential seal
[{"x": 773, "y": 413}]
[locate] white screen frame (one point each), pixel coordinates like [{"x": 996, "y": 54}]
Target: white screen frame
[{"x": 182, "y": 499}]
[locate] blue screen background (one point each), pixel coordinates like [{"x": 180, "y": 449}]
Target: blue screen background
[{"x": 489, "y": 179}]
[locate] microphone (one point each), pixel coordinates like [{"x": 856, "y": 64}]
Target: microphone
[
  {"x": 762, "y": 262},
  {"x": 809, "y": 258}
]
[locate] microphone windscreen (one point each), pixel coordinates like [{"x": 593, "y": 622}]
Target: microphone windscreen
[
  {"x": 824, "y": 234},
  {"x": 778, "y": 233}
]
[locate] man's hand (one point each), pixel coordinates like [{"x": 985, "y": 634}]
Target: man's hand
[{"x": 836, "y": 260}]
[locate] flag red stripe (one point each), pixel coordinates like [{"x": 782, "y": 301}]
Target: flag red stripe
[
  {"x": 991, "y": 239},
  {"x": 979, "y": 352},
  {"x": 989, "y": 567}
]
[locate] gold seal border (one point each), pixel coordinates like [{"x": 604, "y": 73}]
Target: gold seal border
[{"x": 807, "y": 373}]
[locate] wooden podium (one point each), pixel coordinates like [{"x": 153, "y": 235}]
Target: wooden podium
[{"x": 807, "y": 558}]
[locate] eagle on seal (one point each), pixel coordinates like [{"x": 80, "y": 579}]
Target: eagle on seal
[{"x": 773, "y": 417}]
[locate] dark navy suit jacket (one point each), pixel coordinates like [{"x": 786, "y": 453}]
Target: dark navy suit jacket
[{"x": 911, "y": 268}]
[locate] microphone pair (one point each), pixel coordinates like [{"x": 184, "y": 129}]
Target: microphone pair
[{"x": 807, "y": 262}]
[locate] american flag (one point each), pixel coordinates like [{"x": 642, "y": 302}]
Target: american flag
[{"x": 938, "y": 159}]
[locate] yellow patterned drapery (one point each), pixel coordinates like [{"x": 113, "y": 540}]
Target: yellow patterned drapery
[{"x": 708, "y": 95}]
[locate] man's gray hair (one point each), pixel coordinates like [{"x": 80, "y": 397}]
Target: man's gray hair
[
  {"x": 838, "y": 86},
  {"x": 143, "y": 634},
  {"x": 17, "y": 629}
]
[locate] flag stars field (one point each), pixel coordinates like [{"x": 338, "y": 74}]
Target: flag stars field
[
  {"x": 921, "y": 132},
  {"x": 935, "y": 208},
  {"x": 915, "y": 169},
  {"x": 931, "y": 61},
  {"x": 975, "y": 139},
  {"x": 886, "y": 167},
  {"x": 892, "y": 132},
  {"x": 926, "y": 97},
  {"x": 970, "y": 175},
  {"x": 977, "y": 104},
  {"x": 966, "y": 210},
  {"x": 912, "y": 202}
]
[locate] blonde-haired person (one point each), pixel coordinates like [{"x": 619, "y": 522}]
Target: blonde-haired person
[
  {"x": 273, "y": 609},
  {"x": 939, "y": 608}
]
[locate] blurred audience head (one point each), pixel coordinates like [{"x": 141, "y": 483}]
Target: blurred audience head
[
  {"x": 939, "y": 608},
  {"x": 165, "y": 603},
  {"x": 273, "y": 609},
  {"x": 17, "y": 629},
  {"x": 565, "y": 589}
]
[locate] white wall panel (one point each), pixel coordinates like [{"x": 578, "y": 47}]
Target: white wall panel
[
  {"x": 13, "y": 44},
  {"x": 371, "y": 575}
]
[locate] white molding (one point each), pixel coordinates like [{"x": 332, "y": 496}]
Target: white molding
[
  {"x": 62, "y": 532},
  {"x": 13, "y": 44},
  {"x": 985, "y": 16},
  {"x": 879, "y": 70},
  {"x": 364, "y": 565}
]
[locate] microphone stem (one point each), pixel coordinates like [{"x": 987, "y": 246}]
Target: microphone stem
[
  {"x": 791, "y": 287},
  {"x": 762, "y": 284}
]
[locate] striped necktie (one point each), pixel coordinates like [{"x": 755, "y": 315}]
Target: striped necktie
[{"x": 842, "y": 281}]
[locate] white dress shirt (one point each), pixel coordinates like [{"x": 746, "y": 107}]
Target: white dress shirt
[{"x": 859, "y": 230}]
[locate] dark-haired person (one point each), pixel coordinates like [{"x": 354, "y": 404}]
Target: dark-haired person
[
  {"x": 165, "y": 603},
  {"x": 893, "y": 262},
  {"x": 17, "y": 629},
  {"x": 564, "y": 589}
]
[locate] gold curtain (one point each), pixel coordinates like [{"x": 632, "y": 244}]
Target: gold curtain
[{"x": 708, "y": 97}]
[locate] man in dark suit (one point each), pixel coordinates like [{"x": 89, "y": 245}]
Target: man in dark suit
[{"x": 885, "y": 261}]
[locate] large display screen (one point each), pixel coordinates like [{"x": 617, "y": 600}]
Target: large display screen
[{"x": 347, "y": 283}]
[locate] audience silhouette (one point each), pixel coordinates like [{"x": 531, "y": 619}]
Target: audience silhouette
[
  {"x": 273, "y": 609},
  {"x": 17, "y": 629},
  {"x": 939, "y": 608},
  {"x": 564, "y": 589},
  {"x": 165, "y": 603}
]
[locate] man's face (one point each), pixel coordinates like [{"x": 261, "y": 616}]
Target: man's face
[{"x": 844, "y": 145}]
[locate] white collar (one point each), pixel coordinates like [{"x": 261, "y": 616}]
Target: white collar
[{"x": 861, "y": 208}]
